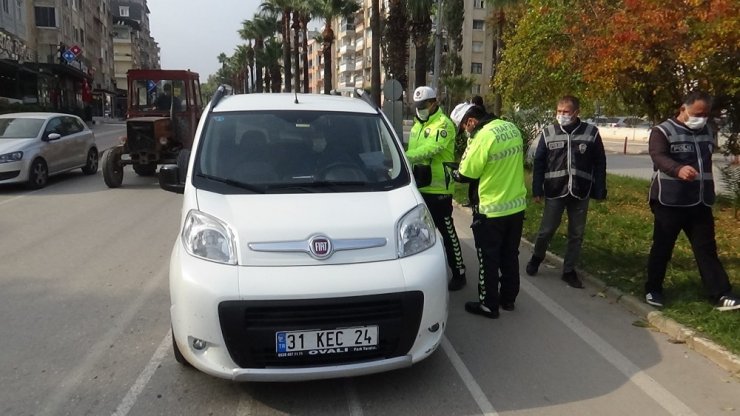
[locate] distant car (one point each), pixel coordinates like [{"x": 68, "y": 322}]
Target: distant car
[{"x": 34, "y": 146}]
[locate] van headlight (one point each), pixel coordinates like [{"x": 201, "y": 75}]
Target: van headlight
[
  {"x": 11, "y": 157},
  {"x": 209, "y": 238},
  {"x": 416, "y": 232}
]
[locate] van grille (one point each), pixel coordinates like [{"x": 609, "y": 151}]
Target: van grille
[{"x": 249, "y": 327}]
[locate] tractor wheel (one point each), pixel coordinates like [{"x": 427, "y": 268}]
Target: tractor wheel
[
  {"x": 148, "y": 169},
  {"x": 112, "y": 167}
]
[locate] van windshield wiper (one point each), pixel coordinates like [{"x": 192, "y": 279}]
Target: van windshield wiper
[
  {"x": 242, "y": 185},
  {"x": 316, "y": 185}
]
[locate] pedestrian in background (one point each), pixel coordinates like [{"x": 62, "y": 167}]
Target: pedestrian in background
[
  {"x": 681, "y": 198},
  {"x": 494, "y": 157},
  {"x": 432, "y": 143},
  {"x": 569, "y": 169}
]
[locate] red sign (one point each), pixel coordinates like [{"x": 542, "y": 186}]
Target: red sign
[{"x": 75, "y": 50}]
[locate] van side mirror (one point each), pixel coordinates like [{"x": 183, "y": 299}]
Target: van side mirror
[{"x": 169, "y": 179}]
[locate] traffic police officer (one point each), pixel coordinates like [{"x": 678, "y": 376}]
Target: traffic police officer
[
  {"x": 432, "y": 143},
  {"x": 494, "y": 156}
]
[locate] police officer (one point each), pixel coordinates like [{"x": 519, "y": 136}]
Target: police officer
[
  {"x": 431, "y": 143},
  {"x": 494, "y": 156},
  {"x": 569, "y": 169},
  {"x": 681, "y": 198}
]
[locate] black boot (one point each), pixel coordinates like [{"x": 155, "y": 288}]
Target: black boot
[
  {"x": 571, "y": 278},
  {"x": 458, "y": 280},
  {"x": 533, "y": 265}
]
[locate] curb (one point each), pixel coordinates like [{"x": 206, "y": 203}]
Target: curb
[{"x": 677, "y": 332}]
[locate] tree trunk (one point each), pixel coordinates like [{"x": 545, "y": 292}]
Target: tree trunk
[
  {"x": 420, "y": 75},
  {"x": 375, "y": 64},
  {"x": 286, "y": 50},
  {"x": 296, "y": 40},
  {"x": 328, "y": 36},
  {"x": 304, "y": 53}
]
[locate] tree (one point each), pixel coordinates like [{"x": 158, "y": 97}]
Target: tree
[
  {"x": 259, "y": 29},
  {"x": 284, "y": 9},
  {"x": 329, "y": 10},
  {"x": 498, "y": 18},
  {"x": 270, "y": 56},
  {"x": 454, "y": 17},
  {"x": 304, "y": 9},
  {"x": 375, "y": 59},
  {"x": 395, "y": 42},
  {"x": 420, "y": 12}
]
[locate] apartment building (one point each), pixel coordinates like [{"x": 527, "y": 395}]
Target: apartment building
[
  {"x": 353, "y": 49},
  {"x": 17, "y": 82},
  {"x": 315, "y": 64},
  {"x": 133, "y": 45}
]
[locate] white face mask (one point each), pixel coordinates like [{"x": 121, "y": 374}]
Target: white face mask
[
  {"x": 564, "y": 119},
  {"x": 695, "y": 123},
  {"x": 423, "y": 114}
]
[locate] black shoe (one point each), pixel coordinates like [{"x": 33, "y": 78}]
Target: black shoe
[
  {"x": 571, "y": 278},
  {"x": 456, "y": 283},
  {"x": 476, "y": 308},
  {"x": 508, "y": 306},
  {"x": 728, "y": 303},
  {"x": 533, "y": 265},
  {"x": 654, "y": 299}
]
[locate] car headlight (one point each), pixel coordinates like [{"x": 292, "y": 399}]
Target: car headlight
[
  {"x": 11, "y": 157},
  {"x": 416, "y": 232},
  {"x": 208, "y": 238}
]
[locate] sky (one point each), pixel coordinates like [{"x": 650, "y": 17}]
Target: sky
[{"x": 192, "y": 33}]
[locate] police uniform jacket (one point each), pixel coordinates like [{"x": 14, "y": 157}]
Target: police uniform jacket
[
  {"x": 672, "y": 145},
  {"x": 432, "y": 142},
  {"x": 570, "y": 160}
]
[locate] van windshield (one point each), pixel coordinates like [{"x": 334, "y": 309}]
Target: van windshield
[{"x": 297, "y": 152}]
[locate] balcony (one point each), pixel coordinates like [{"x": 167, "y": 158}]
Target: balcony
[
  {"x": 359, "y": 65},
  {"x": 359, "y": 45},
  {"x": 347, "y": 49},
  {"x": 347, "y": 67}
]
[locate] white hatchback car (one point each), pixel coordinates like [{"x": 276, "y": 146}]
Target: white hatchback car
[
  {"x": 305, "y": 250},
  {"x": 34, "y": 146}
]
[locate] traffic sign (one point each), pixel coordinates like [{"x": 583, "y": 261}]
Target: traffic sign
[
  {"x": 68, "y": 56},
  {"x": 76, "y": 50}
]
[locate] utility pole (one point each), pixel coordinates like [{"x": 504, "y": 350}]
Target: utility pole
[{"x": 437, "y": 47}]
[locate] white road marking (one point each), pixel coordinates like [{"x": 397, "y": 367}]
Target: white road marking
[
  {"x": 79, "y": 373},
  {"x": 353, "y": 402},
  {"x": 480, "y": 398},
  {"x": 647, "y": 384},
  {"x": 16, "y": 198},
  {"x": 133, "y": 393}
]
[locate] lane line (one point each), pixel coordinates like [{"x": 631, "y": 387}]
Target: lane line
[
  {"x": 7, "y": 201},
  {"x": 129, "y": 400},
  {"x": 353, "y": 401},
  {"x": 480, "y": 398},
  {"x": 644, "y": 382},
  {"x": 78, "y": 374}
]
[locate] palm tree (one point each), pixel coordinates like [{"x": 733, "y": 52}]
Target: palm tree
[
  {"x": 329, "y": 10},
  {"x": 250, "y": 66},
  {"x": 270, "y": 56},
  {"x": 375, "y": 63},
  {"x": 259, "y": 29},
  {"x": 303, "y": 9},
  {"x": 284, "y": 8},
  {"x": 240, "y": 65},
  {"x": 396, "y": 42},
  {"x": 420, "y": 12}
]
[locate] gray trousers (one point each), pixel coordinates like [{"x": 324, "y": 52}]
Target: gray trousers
[{"x": 551, "y": 217}]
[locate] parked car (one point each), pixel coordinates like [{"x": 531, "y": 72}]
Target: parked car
[
  {"x": 621, "y": 121},
  {"x": 34, "y": 146},
  {"x": 305, "y": 248}
]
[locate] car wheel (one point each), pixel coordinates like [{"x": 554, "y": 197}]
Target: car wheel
[
  {"x": 38, "y": 175},
  {"x": 112, "y": 167},
  {"x": 178, "y": 355},
  {"x": 92, "y": 162},
  {"x": 148, "y": 169}
]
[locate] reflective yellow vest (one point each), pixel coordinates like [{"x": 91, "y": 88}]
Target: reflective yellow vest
[{"x": 431, "y": 143}]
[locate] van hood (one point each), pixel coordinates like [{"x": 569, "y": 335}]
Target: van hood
[{"x": 279, "y": 229}]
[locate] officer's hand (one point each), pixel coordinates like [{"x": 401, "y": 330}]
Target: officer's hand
[
  {"x": 456, "y": 175},
  {"x": 537, "y": 199},
  {"x": 687, "y": 173}
]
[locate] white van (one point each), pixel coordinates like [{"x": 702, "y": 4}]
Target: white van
[{"x": 305, "y": 249}]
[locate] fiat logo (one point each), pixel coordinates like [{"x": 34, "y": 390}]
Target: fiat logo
[{"x": 320, "y": 247}]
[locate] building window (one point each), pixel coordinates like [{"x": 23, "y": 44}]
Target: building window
[
  {"x": 476, "y": 89},
  {"x": 46, "y": 17},
  {"x": 123, "y": 11},
  {"x": 478, "y": 4},
  {"x": 6, "y": 6},
  {"x": 476, "y": 68},
  {"x": 478, "y": 24},
  {"x": 477, "y": 46}
]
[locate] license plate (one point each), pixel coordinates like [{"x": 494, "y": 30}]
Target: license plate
[{"x": 340, "y": 340}]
